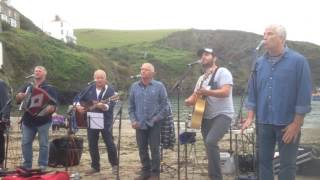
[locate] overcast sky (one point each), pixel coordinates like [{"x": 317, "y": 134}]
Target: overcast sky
[{"x": 300, "y": 17}]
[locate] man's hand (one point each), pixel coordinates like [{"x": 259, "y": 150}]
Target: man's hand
[
  {"x": 20, "y": 96},
  {"x": 247, "y": 123},
  {"x": 202, "y": 92},
  {"x": 191, "y": 101},
  {"x": 102, "y": 107},
  {"x": 80, "y": 109},
  {"x": 291, "y": 132},
  {"x": 51, "y": 109},
  {"x": 135, "y": 125}
]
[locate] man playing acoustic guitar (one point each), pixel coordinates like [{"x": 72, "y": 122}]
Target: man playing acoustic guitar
[
  {"x": 215, "y": 86},
  {"x": 99, "y": 113}
]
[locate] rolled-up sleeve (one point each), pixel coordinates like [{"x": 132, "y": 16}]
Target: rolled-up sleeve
[{"x": 304, "y": 92}]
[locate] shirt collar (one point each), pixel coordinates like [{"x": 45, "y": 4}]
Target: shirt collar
[
  {"x": 141, "y": 83},
  {"x": 284, "y": 54}
]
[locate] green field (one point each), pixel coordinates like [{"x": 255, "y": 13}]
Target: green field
[{"x": 100, "y": 38}]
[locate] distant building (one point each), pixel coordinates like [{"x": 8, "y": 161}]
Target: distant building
[
  {"x": 9, "y": 14},
  {"x": 60, "y": 30}
]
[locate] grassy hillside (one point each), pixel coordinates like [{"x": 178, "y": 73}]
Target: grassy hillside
[
  {"x": 71, "y": 67},
  {"x": 95, "y": 38}
]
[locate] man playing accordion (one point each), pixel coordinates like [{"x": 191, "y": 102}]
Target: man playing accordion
[{"x": 38, "y": 99}]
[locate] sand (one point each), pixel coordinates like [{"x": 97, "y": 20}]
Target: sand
[{"x": 129, "y": 160}]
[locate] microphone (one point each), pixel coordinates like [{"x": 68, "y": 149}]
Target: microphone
[
  {"x": 30, "y": 76},
  {"x": 195, "y": 62},
  {"x": 259, "y": 45},
  {"x": 91, "y": 82},
  {"x": 135, "y": 76}
]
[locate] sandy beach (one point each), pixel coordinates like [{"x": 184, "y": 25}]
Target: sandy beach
[{"x": 129, "y": 159}]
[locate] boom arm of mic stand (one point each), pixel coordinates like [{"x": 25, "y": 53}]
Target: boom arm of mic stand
[
  {"x": 74, "y": 104},
  {"x": 181, "y": 78}
]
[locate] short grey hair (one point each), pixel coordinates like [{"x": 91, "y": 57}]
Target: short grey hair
[
  {"x": 42, "y": 68},
  {"x": 280, "y": 30}
]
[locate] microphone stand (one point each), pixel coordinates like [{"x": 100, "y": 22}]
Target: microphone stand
[
  {"x": 119, "y": 137},
  {"x": 254, "y": 80},
  {"x": 177, "y": 87},
  {"x": 255, "y": 147},
  {"x": 76, "y": 100},
  {"x": 73, "y": 121},
  {"x": 8, "y": 104}
]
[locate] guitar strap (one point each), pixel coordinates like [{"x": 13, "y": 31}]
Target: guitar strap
[
  {"x": 102, "y": 93},
  {"x": 211, "y": 83}
]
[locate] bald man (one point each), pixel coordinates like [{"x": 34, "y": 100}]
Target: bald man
[
  {"x": 148, "y": 103},
  {"x": 100, "y": 118}
]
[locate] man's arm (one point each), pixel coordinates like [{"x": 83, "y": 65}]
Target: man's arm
[
  {"x": 163, "y": 111},
  {"x": 222, "y": 92},
  {"x": 303, "y": 106}
]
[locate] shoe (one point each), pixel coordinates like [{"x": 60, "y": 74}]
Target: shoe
[
  {"x": 114, "y": 170},
  {"x": 91, "y": 171},
  {"x": 142, "y": 177},
  {"x": 154, "y": 177}
]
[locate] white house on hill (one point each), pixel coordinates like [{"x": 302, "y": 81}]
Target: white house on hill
[
  {"x": 60, "y": 30},
  {"x": 8, "y": 14}
]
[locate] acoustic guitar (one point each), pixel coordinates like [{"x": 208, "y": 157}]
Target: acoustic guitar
[
  {"x": 81, "y": 118},
  {"x": 199, "y": 107}
]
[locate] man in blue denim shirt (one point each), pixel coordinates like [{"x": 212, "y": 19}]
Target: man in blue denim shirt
[
  {"x": 279, "y": 95},
  {"x": 147, "y": 107}
]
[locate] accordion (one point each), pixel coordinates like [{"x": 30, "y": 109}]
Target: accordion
[{"x": 37, "y": 101}]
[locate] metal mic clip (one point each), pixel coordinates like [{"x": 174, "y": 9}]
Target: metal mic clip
[
  {"x": 91, "y": 82},
  {"x": 30, "y": 76},
  {"x": 195, "y": 62},
  {"x": 259, "y": 45},
  {"x": 135, "y": 76}
]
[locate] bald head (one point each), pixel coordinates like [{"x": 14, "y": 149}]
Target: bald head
[
  {"x": 100, "y": 77},
  {"x": 148, "y": 66},
  {"x": 101, "y": 73},
  {"x": 147, "y": 72}
]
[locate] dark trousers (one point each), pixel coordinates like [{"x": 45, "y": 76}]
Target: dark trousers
[
  {"x": 149, "y": 138},
  {"x": 93, "y": 138}
]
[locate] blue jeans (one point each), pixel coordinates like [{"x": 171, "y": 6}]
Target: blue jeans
[
  {"x": 213, "y": 131},
  {"x": 268, "y": 136},
  {"x": 28, "y": 135},
  {"x": 93, "y": 138},
  {"x": 145, "y": 138}
]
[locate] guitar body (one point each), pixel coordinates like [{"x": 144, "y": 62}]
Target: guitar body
[
  {"x": 81, "y": 118},
  {"x": 200, "y": 104},
  {"x": 197, "y": 115}
]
